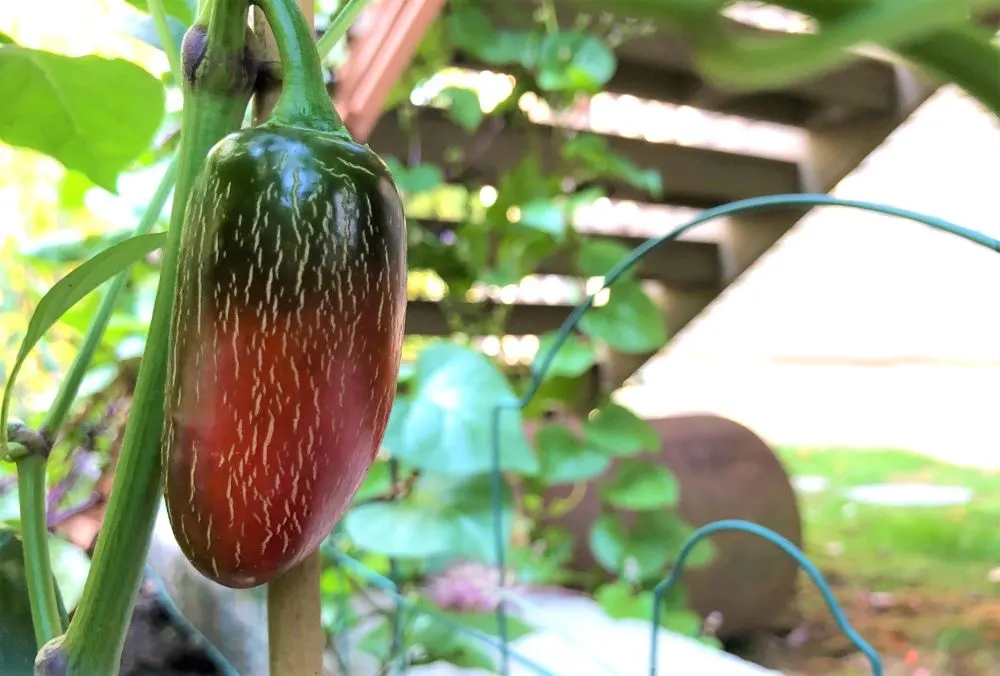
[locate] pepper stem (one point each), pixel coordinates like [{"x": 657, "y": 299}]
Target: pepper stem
[{"x": 304, "y": 101}]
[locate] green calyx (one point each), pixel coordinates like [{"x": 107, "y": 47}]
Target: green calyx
[{"x": 304, "y": 101}]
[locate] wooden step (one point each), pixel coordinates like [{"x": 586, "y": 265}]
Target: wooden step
[
  {"x": 660, "y": 67},
  {"x": 682, "y": 265},
  {"x": 691, "y": 176}
]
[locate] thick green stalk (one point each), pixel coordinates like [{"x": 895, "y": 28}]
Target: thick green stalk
[
  {"x": 304, "y": 101},
  {"x": 217, "y": 87},
  {"x": 42, "y": 592},
  {"x": 339, "y": 25}
]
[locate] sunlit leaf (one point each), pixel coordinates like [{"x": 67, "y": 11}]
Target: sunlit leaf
[
  {"x": 92, "y": 114},
  {"x": 66, "y": 293}
]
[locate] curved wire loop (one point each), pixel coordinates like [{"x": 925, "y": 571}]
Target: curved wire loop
[
  {"x": 664, "y": 587},
  {"x": 740, "y": 206}
]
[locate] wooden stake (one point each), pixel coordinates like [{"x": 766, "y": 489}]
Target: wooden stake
[
  {"x": 296, "y": 641},
  {"x": 294, "y": 626}
]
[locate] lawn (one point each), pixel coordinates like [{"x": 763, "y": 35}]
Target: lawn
[{"x": 919, "y": 582}]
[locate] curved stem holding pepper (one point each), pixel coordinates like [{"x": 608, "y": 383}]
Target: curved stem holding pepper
[{"x": 304, "y": 101}]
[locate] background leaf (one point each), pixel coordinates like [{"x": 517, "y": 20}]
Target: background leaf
[
  {"x": 619, "y": 431},
  {"x": 462, "y": 105},
  {"x": 92, "y": 114},
  {"x": 447, "y": 425},
  {"x": 566, "y": 458},
  {"x": 629, "y": 322},
  {"x": 640, "y": 485},
  {"x": 575, "y": 357},
  {"x": 66, "y": 293},
  {"x": 441, "y": 516},
  {"x": 17, "y": 636}
]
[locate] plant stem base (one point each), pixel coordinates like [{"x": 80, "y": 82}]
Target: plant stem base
[{"x": 294, "y": 626}]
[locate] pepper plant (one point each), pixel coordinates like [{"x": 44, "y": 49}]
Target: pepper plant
[{"x": 429, "y": 509}]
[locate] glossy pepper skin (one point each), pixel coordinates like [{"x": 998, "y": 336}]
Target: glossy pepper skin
[{"x": 288, "y": 326}]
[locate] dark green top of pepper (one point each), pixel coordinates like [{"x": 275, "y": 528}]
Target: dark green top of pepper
[{"x": 295, "y": 185}]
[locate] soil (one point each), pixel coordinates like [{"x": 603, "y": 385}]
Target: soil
[
  {"x": 158, "y": 645},
  {"x": 917, "y": 632}
]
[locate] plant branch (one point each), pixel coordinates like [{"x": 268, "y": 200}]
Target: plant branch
[
  {"x": 339, "y": 25},
  {"x": 42, "y": 590},
  {"x": 217, "y": 82},
  {"x": 166, "y": 39}
]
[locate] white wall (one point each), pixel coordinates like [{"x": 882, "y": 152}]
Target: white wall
[{"x": 860, "y": 329}]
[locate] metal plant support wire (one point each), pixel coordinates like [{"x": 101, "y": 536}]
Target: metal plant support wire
[{"x": 542, "y": 365}]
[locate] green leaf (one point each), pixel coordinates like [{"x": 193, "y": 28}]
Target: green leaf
[
  {"x": 447, "y": 427},
  {"x": 597, "y": 256},
  {"x": 640, "y": 552},
  {"x": 415, "y": 180},
  {"x": 66, "y": 293},
  {"x": 575, "y": 357},
  {"x": 620, "y": 601},
  {"x": 6, "y": 39},
  {"x": 393, "y": 439},
  {"x": 629, "y": 322},
  {"x": 376, "y": 483},
  {"x": 17, "y": 636},
  {"x": 641, "y": 486},
  {"x": 545, "y": 215},
  {"x": 620, "y": 432},
  {"x": 92, "y": 114},
  {"x": 593, "y": 153},
  {"x": 472, "y": 31},
  {"x": 567, "y": 459},
  {"x": 577, "y": 62},
  {"x": 441, "y": 516},
  {"x": 183, "y": 10},
  {"x": 462, "y": 105}
]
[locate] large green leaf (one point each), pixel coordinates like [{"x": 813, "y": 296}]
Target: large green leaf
[
  {"x": 643, "y": 550},
  {"x": 441, "y": 516},
  {"x": 17, "y": 635},
  {"x": 92, "y": 114},
  {"x": 575, "y": 357},
  {"x": 447, "y": 425},
  {"x": 574, "y": 61},
  {"x": 629, "y": 322},
  {"x": 566, "y": 458},
  {"x": 641, "y": 486},
  {"x": 66, "y": 293},
  {"x": 597, "y": 257},
  {"x": 619, "y": 431}
]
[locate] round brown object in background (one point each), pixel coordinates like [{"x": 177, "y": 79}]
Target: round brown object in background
[{"x": 725, "y": 471}]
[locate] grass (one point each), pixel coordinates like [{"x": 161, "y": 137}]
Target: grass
[
  {"x": 935, "y": 560},
  {"x": 888, "y": 548}
]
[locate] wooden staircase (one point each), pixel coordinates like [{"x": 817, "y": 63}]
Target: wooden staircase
[{"x": 842, "y": 116}]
